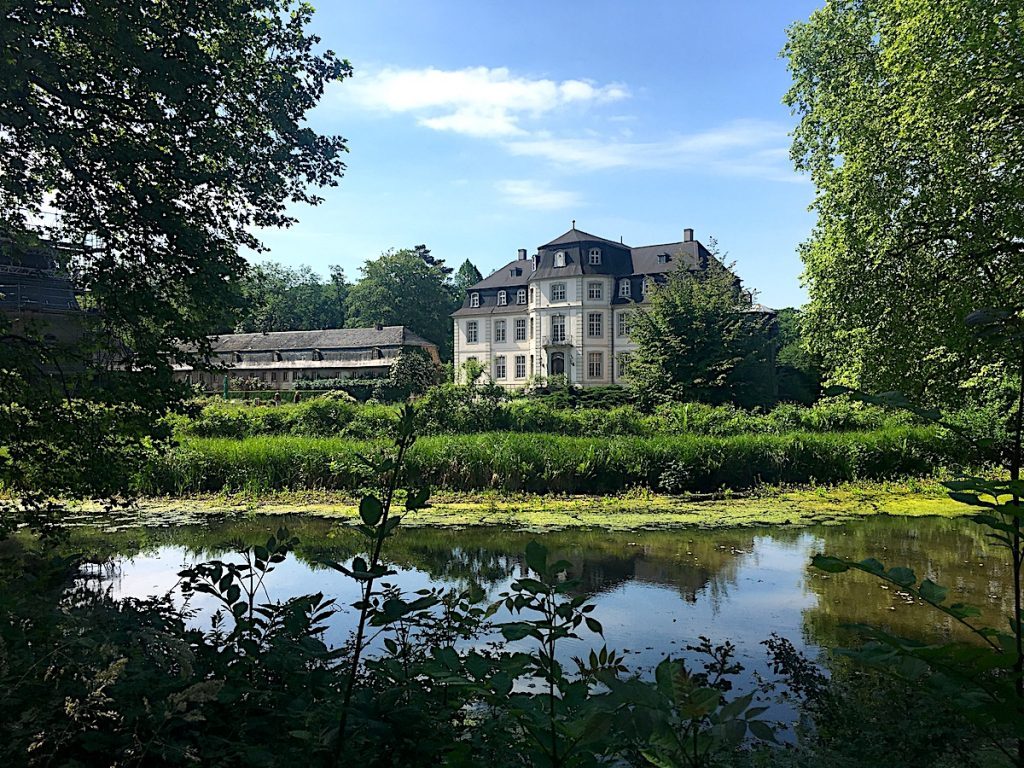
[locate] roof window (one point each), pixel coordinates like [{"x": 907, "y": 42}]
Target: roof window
[
  {"x": 560, "y": 259},
  {"x": 474, "y": 299}
]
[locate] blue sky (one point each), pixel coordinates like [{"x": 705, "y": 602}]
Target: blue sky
[{"x": 480, "y": 128}]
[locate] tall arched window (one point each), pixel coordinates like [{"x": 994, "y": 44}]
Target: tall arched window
[
  {"x": 521, "y": 296},
  {"x": 560, "y": 259},
  {"x": 502, "y": 298},
  {"x": 624, "y": 289},
  {"x": 595, "y": 255},
  {"x": 474, "y": 299}
]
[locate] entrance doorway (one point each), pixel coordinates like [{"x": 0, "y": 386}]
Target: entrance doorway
[{"x": 556, "y": 366}]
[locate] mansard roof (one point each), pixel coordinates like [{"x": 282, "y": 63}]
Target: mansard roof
[
  {"x": 579, "y": 236},
  {"x": 618, "y": 260}
]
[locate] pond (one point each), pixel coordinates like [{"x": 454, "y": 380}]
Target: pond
[{"x": 655, "y": 591}]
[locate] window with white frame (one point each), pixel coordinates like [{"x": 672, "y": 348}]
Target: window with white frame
[
  {"x": 625, "y": 323},
  {"x": 625, "y": 290},
  {"x": 521, "y": 329},
  {"x": 499, "y": 367},
  {"x": 595, "y": 322},
  {"x": 560, "y": 259},
  {"x": 595, "y": 255},
  {"x": 644, "y": 286},
  {"x": 474, "y": 299},
  {"x": 502, "y": 298},
  {"x": 558, "y": 291},
  {"x": 558, "y": 329},
  {"x": 499, "y": 330},
  {"x": 521, "y": 296},
  {"x": 520, "y": 366},
  {"x": 472, "y": 332},
  {"x": 595, "y": 365},
  {"x": 594, "y": 289}
]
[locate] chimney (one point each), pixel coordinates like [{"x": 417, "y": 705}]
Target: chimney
[
  {"x": 522, "y": 254},
  {"x": 687, "y": 235},
  {"x": 378, "y": 327}
]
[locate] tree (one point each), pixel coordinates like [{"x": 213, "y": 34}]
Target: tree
[
  {"x": 466, "y": 276},
  {"x": 698, "y": 340},
  {"x": 279, "y": 298},
  {"x": 401, "y": 288},
  {"x": 164, "y": 134},
  {"x": 797, "y": 369},
  {"x": 912, "y": 129}
]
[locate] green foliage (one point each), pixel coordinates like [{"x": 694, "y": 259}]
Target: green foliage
[
  {"x": 466, "y": 275},
  {"x": 166, "y": 135},
  {"x": 697, "y": 340},
  {"x": 546, "y": 463},
  {"x": 798, "y": 371},
  {"x": 455, "y": 409},
  {"x": 910, "y": 131},
  {"x": 403, "y": 288},
  {"x": 274, "y": 297}
]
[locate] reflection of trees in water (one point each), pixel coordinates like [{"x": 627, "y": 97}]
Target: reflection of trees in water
[
  {"x": 696, "y": 563},
  {"x": 954, "y": 553},
  {"x": 692, "y": 562}
]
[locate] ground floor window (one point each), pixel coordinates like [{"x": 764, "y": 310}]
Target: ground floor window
[
  {"x": 520, "y": 366},
  {"x": 499, "y": 367},
  {"x": 595, "y": 365}
]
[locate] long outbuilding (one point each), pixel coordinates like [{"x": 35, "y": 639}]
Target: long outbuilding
[{"x": 280, "y": 359}]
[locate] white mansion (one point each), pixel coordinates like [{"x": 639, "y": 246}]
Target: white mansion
[{"x": 566, "y": 310}]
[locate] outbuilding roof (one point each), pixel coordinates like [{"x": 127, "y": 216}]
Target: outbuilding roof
[{"x": 330, "y": 338}]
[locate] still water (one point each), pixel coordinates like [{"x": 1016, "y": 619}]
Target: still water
[{"x": 655, "y": 591}]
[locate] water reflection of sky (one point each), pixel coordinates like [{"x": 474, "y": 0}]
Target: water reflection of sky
[{"x": 649, "y": 606}]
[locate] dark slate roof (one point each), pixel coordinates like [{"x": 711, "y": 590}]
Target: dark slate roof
[
  {"x": 617, "y": 260},
  {"x": 578, "y": 236},
  {"x": 505, "y": 277},
  {"x": 691, "y": 255},
  {"x": 330, "y": 338}
]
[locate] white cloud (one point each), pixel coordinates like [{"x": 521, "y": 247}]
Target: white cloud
[
  {"x": 477, "y": 101},
  {"x": 527, "y": 193},
  {"x": 742, "y": 148}
]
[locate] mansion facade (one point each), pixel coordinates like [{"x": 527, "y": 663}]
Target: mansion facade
[{"x": 566, "y": 310}]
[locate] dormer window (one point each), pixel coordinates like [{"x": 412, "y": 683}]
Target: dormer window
[
  {"x": 560, "y": 259},
  {"x": 502, "y": 298},
  {"x": 624, "y": 289},
  {"x": 535, "y": 257},
  {"x": 662, "y": 258},
  {"x": 474, "y": 299},
  {"x": 644, "y": 287},
  {"x": 595, "y": 255},
  {"x": 521, "y": 296}
]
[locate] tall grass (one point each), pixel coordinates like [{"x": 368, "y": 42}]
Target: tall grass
[{"x": 548, "y": 463}]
